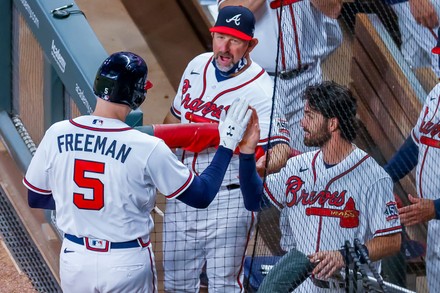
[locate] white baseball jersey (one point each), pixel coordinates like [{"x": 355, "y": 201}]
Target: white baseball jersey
[
  {"x": 426, "y": 135},
  {"x": 417, "y": 40},
  {"x": 220, "y": 233},
  {"x": 297, "y": 46},
  {"x": 327, "y": 206},
  {"x": 103, "y": 177}
]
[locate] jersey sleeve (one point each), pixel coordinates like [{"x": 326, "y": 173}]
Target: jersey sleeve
[
  {"x": 168, "y": 174},
  {"x": 384, "y": 219},
  {"x": 430, "y": 106},
  {"x": 37, "y": 174},
  {"x": 279, "y": 131}
]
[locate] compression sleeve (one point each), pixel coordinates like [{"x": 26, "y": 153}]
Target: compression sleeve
[
  {"x": 40, "y": 201},
  {"x": 403, "y": 161},
  {"x": 204, "y": 187},
  {"x": 437, "y": 208},
  {"x": 251, "y": 184}
]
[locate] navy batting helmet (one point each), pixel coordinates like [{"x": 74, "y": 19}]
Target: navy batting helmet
[{"x": 122, "y": 79}]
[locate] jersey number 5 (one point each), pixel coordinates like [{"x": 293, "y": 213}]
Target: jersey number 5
[{"x": 81, "y": 167}]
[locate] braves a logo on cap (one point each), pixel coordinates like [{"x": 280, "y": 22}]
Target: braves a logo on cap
[{"x": 235, "y": 19}]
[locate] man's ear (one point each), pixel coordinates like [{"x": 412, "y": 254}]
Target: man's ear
[
  {"x": 252, "y": 43},
  {"x": 333, "y": 124}
]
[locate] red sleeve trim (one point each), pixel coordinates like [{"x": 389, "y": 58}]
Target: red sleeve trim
[
  {"x": 182, "y": 188},
  {"x": 34, "y": 188},
  {"x": 389, "y": 230}
]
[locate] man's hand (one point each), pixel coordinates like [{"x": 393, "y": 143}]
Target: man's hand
[
  {"x": 421, "y": 210},
  {"x": 233, "y": 124},
  {"x": 424, "y": 13},
  {"x": 327, "y": 263},
  {"x": 252, "y": 135}
]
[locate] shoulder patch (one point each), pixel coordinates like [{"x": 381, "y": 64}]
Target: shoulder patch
[{"x": 391, "y": 212}]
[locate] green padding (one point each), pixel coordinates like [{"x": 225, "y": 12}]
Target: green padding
[{"x": 135, "y": 118}]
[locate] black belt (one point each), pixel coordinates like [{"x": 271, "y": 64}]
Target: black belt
[
  {"x": 232, "y": 186},
  {"x": 113, "y": 245},
  {"x": 289, "y": 74}
]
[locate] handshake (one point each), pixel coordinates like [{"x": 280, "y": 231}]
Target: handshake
[{"x": 239, "y": 126}]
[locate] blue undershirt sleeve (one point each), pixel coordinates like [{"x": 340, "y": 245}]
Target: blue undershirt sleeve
[
  {"x": 251, "y": 184},
  {"x": 204, "y": 187},
  {"x": 40, "y": 201},
  {"x": 403, "y": 161},
  {"x": 437, "y": 208}
]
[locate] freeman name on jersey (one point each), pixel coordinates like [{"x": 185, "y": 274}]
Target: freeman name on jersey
[{"x": 93, "y": 144}]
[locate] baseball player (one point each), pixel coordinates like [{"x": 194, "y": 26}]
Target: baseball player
[
  {"x": 217, "y": 236},
  {"x": 421, "y": 149},
  {"x": 418, "y": 23},
  {"x": 301, "y": 44},
  {"x": 327, "y": 196},
  {"x": 101, "y": 177}
]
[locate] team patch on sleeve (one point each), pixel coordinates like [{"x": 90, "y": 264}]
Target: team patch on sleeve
[
  {"x": 281, "y": 125},
  {"x": 391, "y": 212}
]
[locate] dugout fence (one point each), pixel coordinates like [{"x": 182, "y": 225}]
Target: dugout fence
[{"x": 47, "y": 69}]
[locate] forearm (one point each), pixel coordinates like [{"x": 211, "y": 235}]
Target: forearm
[
  {"x": 382, "y": 246},
  {"x": 278, "y": 157},
  {"x": 331, "y": 8},
  {"x": 403, "y": 161},
  {"x": 250, "y": 183},
  {"x": 204, "y": 187}
]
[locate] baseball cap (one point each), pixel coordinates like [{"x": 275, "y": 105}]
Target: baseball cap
[
  {"x": 436, "y": 49},
  {"x": 237, "y": 21}
]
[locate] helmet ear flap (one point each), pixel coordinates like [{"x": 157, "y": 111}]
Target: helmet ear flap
[{"x": 138, "y": 99}]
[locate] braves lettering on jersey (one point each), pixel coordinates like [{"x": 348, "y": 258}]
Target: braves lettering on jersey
[
  {"x": 426, "y": 134},
  {"x": 100, "y": 173},
  {"x": 325, "y": 207},
  {"x": 220, "y": 233}
]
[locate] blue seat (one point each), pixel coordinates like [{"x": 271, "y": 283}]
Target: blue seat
[{"x": 261, "y": 265}]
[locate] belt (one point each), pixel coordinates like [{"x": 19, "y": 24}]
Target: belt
[
  {"x": 232, "y": 186},
  {"x": 289, "y": 74},
  {"x": 104, "y": 245},
  {"x": 327, "y": 284}
]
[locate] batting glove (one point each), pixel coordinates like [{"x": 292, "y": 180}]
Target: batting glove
[{"x": 233, "y": 124}]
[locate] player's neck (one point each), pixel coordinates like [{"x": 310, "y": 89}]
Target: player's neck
[
  {"x": 111, "y": 110},
  {"x": 336, "y": 150}
]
